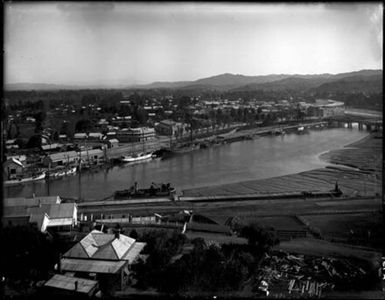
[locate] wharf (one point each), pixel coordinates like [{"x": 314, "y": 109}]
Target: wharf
[
  {"x": 122, "y": 202},
  {"x": 228, "y": 134}
]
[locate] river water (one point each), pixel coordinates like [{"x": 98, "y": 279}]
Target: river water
[{"x": 264, "y": 157}]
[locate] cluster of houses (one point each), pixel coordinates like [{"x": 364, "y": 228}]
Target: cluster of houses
[
  {"x": 320, "y": 108},
  {"x": 92, "y": 145},
  {"x": 99, "y": 262},
  {"x": 47, "y": 213}
]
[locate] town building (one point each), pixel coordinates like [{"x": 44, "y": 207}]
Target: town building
[
  {"x": 93, "y": 156},
  {"x": 60, "y": 158},
  {"x": 13, "y": 168},
  {"x": 51, "y": 147},
  {"x": 112, "y": 143},
  {"x": 330, "y": 107},
  {"x": 95, "y": 136},
  {"x": 80, "y": 136},
  {"x": 132, "y": 135},
  {"x": 108, "y": 256},
  {"x": 52, "y": 217},
  {"x": 111, "y": 134},
  {"x": 171, "y": 128}
]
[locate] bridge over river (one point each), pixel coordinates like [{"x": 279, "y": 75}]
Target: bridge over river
[{"x": 371, "y": 120}]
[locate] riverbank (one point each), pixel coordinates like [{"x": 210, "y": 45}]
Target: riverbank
[
  {"x": 365, "y": 155},
  {"x": 258, "y": 159}
]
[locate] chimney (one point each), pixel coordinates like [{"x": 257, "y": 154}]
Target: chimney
[
  {"x": 76, "y": 285},
  {"x": 117, "y": 234}
]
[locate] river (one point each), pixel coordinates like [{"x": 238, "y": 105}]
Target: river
[{"x": 264, "y": 157}]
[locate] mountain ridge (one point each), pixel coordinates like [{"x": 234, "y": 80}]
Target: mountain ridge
[{"x": 224, "y": 82}]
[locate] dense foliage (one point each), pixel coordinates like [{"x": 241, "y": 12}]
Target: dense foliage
[
  {"x": 205, "y": 268},
  {"x": 26, "y": 253}
]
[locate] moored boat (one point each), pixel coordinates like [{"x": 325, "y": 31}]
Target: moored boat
[
  {"x": 155, "y": 191},
  {"x": 61, "y": 172},
  {"x": 136, "y": 157},
  {"x": 71, "y": 171},
  {"x": 22, "y": 180}
]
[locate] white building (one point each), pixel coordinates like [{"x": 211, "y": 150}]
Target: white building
[{"x": 136, "y": 134}]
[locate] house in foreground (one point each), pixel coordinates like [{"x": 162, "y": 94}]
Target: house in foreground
[{"x": 106, "y": 258}]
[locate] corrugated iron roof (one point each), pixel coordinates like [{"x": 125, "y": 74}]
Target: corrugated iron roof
[
  {"x": 105, "y": 252},
  {"x": 92, "y": 266},
  {"x": 38, "y": 219},
  {"x": 99, "y": 245},
  {"x": 89, "y": 244},
  {"x": 15, "y": 211},
  {"x": 122, "y": 245},
  {"x": 55, "y": 211},
  {"x": 60, "y": 222},
  {"x": 62, "y": 210},
  {"x": 134, "y": 252},
  {"x": 68, "y": 283},
  {"x": 63, "y": 155},
  {"x": 76, "y": 251},
  {"x": 91, "y": 152},
  {"x": 80, "y": 135},
  {"x": 101, "y": 238},
  {"x": 21, "y": 201},
  {"x": 51, "y": 146},
  {"x": 95, "y": 134}
]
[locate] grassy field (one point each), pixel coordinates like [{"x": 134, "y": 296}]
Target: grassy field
[
  {"x": 350, "y": 182},
  {"x": 278, "y": 223},
  {"x": 216, "y": 238},
  {"x": 360, "y": 228}
]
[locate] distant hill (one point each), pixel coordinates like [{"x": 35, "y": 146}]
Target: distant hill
[
  {"x": 162, "y": 84},
  {"x": 290, "y": 83},
  {"x": 364, "y": 80},
  {"x": 38, "y": 86},
  {"x": 54, "y": 87},
  {"x": 353, "y": 84},
  {"x": 273, "y": 82},
  {"x": 229, "y": 80},
  {"x": 364, "y": 73}
]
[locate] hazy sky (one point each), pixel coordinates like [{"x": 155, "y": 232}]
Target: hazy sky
[{"x": 69, "y": 42}]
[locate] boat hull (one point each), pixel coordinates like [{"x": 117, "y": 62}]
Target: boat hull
[
  {"x": 24, "y": 180},
  {"x": 136, "y": 159}
]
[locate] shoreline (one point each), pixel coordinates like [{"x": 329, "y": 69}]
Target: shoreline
[
  {"x": 347, "y": 146},
  {"x": 353, "y": 177}
]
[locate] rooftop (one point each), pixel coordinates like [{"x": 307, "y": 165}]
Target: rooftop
[
  {"x": 68, "y": 283},
  {"x": 55, "y": 211},
  {"x": 91, "y": 266},
  {"x": 35, "y": 201},
  {"x": 99, "y": 245}
]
